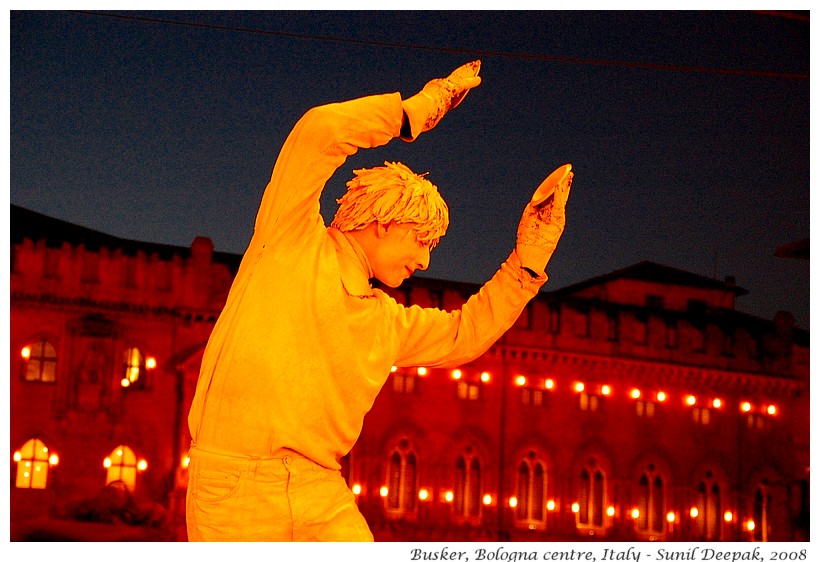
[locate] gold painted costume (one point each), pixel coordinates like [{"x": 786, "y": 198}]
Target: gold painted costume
[{"x": 304, "y": 344}]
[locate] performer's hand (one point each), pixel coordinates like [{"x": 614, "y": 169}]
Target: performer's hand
[
  {"x": 424, "y": 110},
  {"x": 542, "y": 224}
]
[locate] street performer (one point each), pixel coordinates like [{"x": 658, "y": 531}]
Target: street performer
[{"x": 305, "y": 343}]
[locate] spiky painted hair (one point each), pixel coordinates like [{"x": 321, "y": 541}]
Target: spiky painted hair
[{"x": 393, "y": 193}]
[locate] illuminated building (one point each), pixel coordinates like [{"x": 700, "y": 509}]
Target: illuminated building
[{"x": 639, "y": 405}]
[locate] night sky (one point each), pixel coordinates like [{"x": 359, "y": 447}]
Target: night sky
[{"x": 688, "y": 131}]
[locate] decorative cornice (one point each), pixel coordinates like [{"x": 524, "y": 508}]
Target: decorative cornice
[
  {"x": 20, "y": 297},
  {"x": 654, "y": 373}
]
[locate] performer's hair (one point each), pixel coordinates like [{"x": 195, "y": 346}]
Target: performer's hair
[{"x": 393, "y": 193}]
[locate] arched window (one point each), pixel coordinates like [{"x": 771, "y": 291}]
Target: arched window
[
  {"x": 39, "y": 361},
  {"x": 467, "y": 493},
  {"x": 591, "y": 491},
  {"x": 650, "y": 502},
  {"x": 134, "y": 364},
  {"x": 401, "y": 479},
  {"x": 121, "y": 465},
  {"x": 531, "y": 492},
  {"x": 33, "y": 461},
  {"x": 763, "y": 500},
  {"x": 709, "y": 509}
]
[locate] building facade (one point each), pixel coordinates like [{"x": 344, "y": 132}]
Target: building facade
[{"x": 639, "y": 405}]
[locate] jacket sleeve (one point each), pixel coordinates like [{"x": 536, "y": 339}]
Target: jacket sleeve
[
  {"x": 319, "y": 143},
  {"x": 436, "y": 338}
]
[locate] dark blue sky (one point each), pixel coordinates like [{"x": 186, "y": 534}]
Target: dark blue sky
[{"x": 689, "y": 131}]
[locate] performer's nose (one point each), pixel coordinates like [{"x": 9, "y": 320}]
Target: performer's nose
[{"x": 423, "y": 260}]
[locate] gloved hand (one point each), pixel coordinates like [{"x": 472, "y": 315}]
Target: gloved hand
[
  {"x": 424, "y": 110},
  {"x": 543, "y": 221}
]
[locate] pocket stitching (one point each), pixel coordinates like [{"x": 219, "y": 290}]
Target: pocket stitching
[{"x": 210, "y": 476}]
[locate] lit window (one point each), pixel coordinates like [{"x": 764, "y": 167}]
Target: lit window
[
  {"x": 756, "y": 421},
  {"x": 533, "y": 396},
  {"x": 401, "y": 493},
  {"x": 702, "y": 416},
  {"x": 588, "y": 402},
  {"x": 39, "y": 361},
  {"x": 534, "y": 393},
  {"x": 404, "y": 383},
  {"x": 33, "y": 461},
  {"x": 468, "y": 390},
  {"x": 467, "y": 491},
  {"x": 121, "y": 465},
  {"x": 134, "y": 376},
  {"x": 530, "y": 504},
  {"x": 591, "y": 500},
  {"x": 645, "y": 408}
]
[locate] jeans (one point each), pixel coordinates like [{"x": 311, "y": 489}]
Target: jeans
[{"x": 286, "y": 497}]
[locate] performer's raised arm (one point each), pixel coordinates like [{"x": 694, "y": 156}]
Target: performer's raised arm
[{"x": 325, "y": 136}]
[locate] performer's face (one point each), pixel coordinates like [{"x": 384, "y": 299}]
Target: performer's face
[{"x": 398, "y": 254}]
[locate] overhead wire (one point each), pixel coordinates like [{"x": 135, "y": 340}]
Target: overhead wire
[{"x": 472, "y": 52}]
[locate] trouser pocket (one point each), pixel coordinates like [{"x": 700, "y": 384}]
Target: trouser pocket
[{"x": 214, "y": 485}]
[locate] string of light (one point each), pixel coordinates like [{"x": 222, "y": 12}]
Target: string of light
[{"x": 471, "y": 52}]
